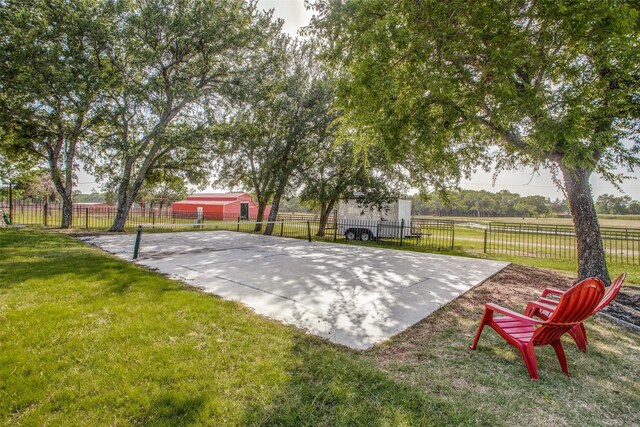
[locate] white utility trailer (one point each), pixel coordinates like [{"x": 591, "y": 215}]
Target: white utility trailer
[{"x": 358, "y": 222}]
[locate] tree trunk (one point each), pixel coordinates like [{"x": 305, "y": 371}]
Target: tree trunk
[
  {"x": 324, "y": 217},
  {"x": 275, "y": 206},
  {"x": 64, "y": 189},
  {"x": 122, "y": 210},
  {"x": 591, "y": 256},
  {"x": 125, "y": 198},
  {"x": 67, "y": 212},
  {"x": 261, "y": 207}
]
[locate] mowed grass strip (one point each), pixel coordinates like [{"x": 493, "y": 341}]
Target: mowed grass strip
[{"x": 87, "y": 339}]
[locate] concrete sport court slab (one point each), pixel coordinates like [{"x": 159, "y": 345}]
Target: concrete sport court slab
[{"x": 353, "y": 295}]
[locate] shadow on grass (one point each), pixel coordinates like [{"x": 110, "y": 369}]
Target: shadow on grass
[
  {"x": 330, "y": 385},
  {"x": 78, "y": 263},
  {"x": 172, "y": 409}
]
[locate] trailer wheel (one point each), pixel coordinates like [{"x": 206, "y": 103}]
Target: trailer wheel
[
  {"x": 350, "y": 234},
  {"x": 365, "y": 236}
]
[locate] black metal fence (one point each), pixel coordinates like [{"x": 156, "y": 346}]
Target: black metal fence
[
  {"x": 621, "y": 245},
  {"x": 91, "y": 216},
  {"x": 421, "y": 233},
  {"x": 100, "y": 216}
]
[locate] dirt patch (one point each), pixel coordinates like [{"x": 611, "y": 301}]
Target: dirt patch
[{"x": 528, "y": 280}]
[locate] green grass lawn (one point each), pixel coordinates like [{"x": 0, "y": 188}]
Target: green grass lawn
[{"x": 88, "y": 339}]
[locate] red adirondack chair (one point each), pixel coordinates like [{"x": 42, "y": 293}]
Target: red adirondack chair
[
  {"x": 578, "y": 332},
  {"x": 525, "y": 333}
]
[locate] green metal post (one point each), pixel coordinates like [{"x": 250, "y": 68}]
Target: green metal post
[
  {"x": 309, "y": 230},
  {"x": 136, "y": 247}
]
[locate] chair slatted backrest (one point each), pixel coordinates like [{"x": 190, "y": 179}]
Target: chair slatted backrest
[
  {"x": 612, "y": 292},
  {"x": 574, "y": 306}
]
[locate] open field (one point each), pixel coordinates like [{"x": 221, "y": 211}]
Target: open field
[
  {"x": 88, "y": 339},
  {"x": 622, "y": 221},
  {"x": 470, "y": 241}
]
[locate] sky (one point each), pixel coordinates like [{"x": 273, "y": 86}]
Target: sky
[{"x": 524, "y": 181}]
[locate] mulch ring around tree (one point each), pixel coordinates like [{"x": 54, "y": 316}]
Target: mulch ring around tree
[{"x": 626, "y": 306}]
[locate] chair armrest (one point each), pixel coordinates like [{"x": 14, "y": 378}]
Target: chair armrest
[
  {"x": 552, "y": 291},
  {"x": 512, "y": 314},
  {"x": 543, "y": 304},
  {"x": 547, "y": 301}
]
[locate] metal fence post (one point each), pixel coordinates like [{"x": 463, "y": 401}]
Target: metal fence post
[
  {"x": 136, "y": 247},
  {"x": 485, "y": 240},
  {"x": 10, "y": 202},
  {"x": 309, "y": 230},
  {"x": 281, "y": 227},
  {"x": 238, "y": 224},
  {"x": 153, "y": 217},
  {"x": 86, "y": 218},
  {"x": 401, "y": 230},
  {"x": 453, "y": 234}
]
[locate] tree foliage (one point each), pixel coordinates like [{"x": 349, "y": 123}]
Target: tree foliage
[
  {"x": 53, "y": 70},
  {"x": 272, "y": 129},
  {"x": 484, "y": 203},
  {"x": 617, "y": 205},
  {"x": 175, "y": 59},
  {"x": 334, "y": 172},
  {"x": 453, "y": 85}
]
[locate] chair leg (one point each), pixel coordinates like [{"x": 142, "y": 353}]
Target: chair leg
[
  {"x": 486, "y": 318},
  {"x": 562, "y": 358},
  {"x": 529, "y": 356},
  {"x": 579, "y": 335}
]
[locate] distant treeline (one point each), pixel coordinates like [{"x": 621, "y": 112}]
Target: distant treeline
[
  {"x": 508, "y": 204},
  {"x": 461, "y": 203},
  {"x": 472, "y": 203},
  {"x": 617, "y": 205},
  {"x": 484, "y": 203}
]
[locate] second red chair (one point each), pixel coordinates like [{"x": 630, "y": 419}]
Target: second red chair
[
  {"x": 525, "y": 333},
  {"x": 543, "y": 308}
]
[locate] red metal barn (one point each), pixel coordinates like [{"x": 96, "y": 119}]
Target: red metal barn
[{"x": 220, "y": 206}]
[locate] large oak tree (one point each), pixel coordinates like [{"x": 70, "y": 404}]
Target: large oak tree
[
  {"x": 449, "y": 84},
  {"x": 273, "y": 127},
  {"x": 53, "y": 72},
  {"x": 175, "y": 60}
]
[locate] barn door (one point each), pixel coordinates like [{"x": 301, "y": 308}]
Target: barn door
[{"x": 244, "y": 210}]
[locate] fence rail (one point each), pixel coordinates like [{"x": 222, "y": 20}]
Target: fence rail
[
  {"x": 86, "y": 215},
  {"x": 420, "y": 233},
  {"x": 93, "y": 217},
  {"x": 621, "y": 245},
  {"x": 428, "y": 234}
]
